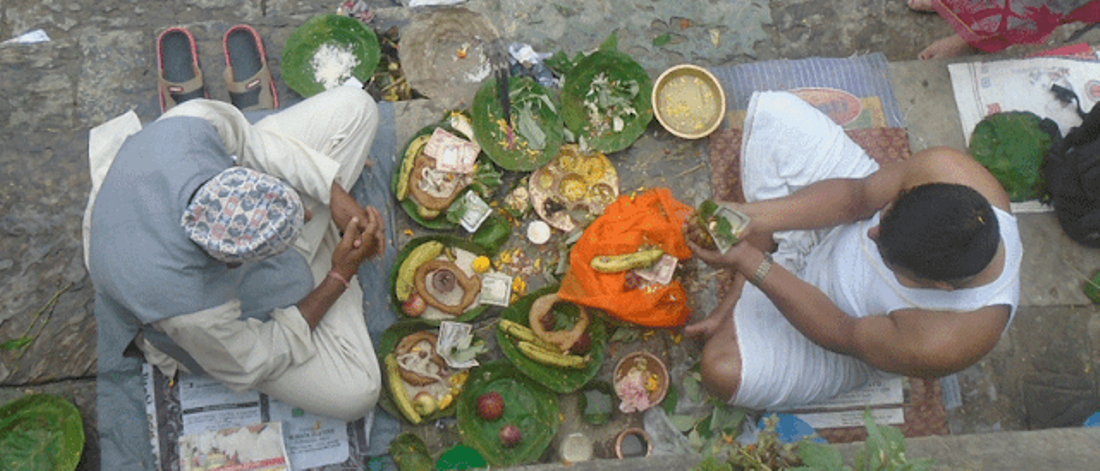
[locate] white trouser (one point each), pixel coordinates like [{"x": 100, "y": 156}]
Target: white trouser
[{"x": 789, "y": 145}]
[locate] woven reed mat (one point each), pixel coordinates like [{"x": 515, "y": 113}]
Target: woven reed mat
[{"x": 923, "y": 408}]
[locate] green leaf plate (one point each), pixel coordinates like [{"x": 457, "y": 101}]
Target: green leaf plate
[
  {"x": 390, "y": 338},
  {"x": 616, "y": 66},
  {"x": 449, "y": 241},
  {"x": 339, "y": 31},
  {"x": 527, "y": 405},
  {"x": 40, "y": 431},
  {"x": 487, "y": 110},
  {"x": 558, "y": 379}
]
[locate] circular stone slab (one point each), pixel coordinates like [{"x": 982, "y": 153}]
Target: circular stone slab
[{"x": 445, "y": 54}]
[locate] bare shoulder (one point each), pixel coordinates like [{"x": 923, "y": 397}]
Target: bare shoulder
[{"x": 949, "y": 165}]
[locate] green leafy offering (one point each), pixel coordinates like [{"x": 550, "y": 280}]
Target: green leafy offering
[
  {"x": 606, "y": 101},
  {"x": 1013, "y": 146},
  {"x": 467, "y": 349},
  {"x": 536, "y": 127},
  {"x": 527, "y": 405},
  {"x": 885, "y": 449},
  {"x": 712, "y": 222},
  {"x": 662, "y": 40},
  {"x": 40, "y": 431}
]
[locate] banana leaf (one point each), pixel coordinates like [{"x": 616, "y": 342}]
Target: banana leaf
[
  {"x": 537, "y": 129},
  {"x": 617, "y": 68},
  {"x": 527, "y": 405},
  {"x": 40, "y": 431},
  {"x": 559, "y": 379},
  {"x": 335, "y": 30},
  {"x": 448, "y": 241}
]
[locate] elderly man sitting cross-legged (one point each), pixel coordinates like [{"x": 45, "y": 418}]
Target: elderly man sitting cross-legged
[
  {"x": 223, "y": 247},
  {"x": 911, "y": 268}
]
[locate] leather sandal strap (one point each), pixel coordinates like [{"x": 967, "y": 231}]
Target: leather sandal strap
[
  {"x": 179, "y": 92},
  {"x": 253, "y": 93}
]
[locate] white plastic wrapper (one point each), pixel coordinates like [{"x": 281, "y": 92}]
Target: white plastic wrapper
[{"x": 455, "y": 335}]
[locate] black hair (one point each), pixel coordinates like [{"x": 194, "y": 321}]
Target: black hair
[{"x": 940, "y": 232}]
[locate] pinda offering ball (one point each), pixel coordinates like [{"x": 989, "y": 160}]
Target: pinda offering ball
[
  {"x": 490, "y": 406},
  {"x": 510, "y": 436}
]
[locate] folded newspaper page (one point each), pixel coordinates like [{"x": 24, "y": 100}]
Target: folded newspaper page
[
  {"x": 984, "y": 88},
  {"x": 884, "y": 396}
]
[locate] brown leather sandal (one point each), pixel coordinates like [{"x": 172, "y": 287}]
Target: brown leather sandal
[
  {"x": 247, "y": 76},
  {"x": 179, "y": 77}
]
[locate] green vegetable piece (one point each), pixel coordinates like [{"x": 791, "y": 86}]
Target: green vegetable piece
[
  {"x": 1092, "y": 288},
  {"x": 1013, "y": 145},
  {"x": 410, "y": 452},
  {"x": 492, "y": 234},
  {"x": 662, "y": 40},
  {"x": 15, "y": 344},
  {"x": 530, "y": 130}
]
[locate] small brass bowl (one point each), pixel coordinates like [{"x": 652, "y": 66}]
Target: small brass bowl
[{"x": 689, "y": 101}]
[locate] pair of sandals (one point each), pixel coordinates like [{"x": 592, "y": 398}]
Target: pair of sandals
[{"x": 247, "y": 76}]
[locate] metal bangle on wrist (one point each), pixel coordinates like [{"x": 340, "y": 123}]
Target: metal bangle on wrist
[{"x": 763, "y": 270}]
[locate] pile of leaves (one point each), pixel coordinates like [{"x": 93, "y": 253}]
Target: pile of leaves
[
  {"x": 715, "y": 435},
  {"x": 388, "y": 82}
]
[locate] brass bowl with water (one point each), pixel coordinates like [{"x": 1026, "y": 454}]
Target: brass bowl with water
[{"x": 689, "y": 101}]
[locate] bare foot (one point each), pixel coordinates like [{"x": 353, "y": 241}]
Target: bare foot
[
  {"x": 923, "y": 6},
  {"x": 951, "y": 46},
  {"x": 705, "y": 328}
]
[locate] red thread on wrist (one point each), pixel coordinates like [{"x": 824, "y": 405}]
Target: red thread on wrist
[{"x": 340, "y": 278}]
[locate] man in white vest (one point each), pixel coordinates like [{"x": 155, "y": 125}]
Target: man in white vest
[{"x": 910, "y": 268}]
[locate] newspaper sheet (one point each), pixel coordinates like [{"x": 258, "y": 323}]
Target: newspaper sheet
[
  {"x": 984, "y": 88},
  {"x": 884, "y": 396},
  {"x": 197, "y": 404}
]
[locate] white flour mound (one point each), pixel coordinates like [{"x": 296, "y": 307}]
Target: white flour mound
[{"x": 332, "y": 64}]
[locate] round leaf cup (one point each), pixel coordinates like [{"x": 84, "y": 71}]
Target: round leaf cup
[
  {"x": 334, "y": 30},
  {"x": 620, "y": 71},
  {"x": 41, "y": 431},
  {"x": 527, "y": 405}
]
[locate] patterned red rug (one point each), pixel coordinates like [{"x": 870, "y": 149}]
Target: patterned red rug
[{"x": 924, "y": 409}]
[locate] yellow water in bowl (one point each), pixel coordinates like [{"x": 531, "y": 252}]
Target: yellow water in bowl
[{"x": 688, "y": 104}]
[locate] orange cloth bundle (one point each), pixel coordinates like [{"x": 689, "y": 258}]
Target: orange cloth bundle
[{"x": 653, "y": 218}]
